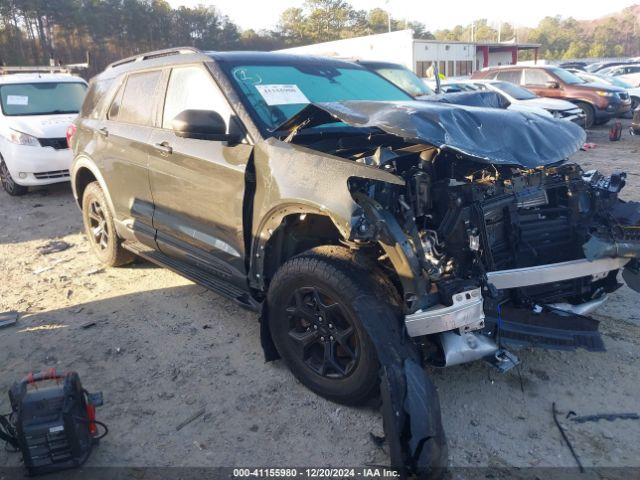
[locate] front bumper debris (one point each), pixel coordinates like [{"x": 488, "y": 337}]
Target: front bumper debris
[
  {"x": 554, "y": 272},
  {"x": 466, "y": 313}
]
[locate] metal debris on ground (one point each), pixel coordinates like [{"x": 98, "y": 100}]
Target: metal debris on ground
[
  {"x": 54, "y": 246},
  {"x": 609, "y": 417},
  {"x": 554, "y": 412},
  {"x": 88, "y": 325},
  {"x": 503, "y": 360},
  {"x": 192, "y": 418},
  {"x": 8, "y": 318},
  {"x": 94, "y": 271}
]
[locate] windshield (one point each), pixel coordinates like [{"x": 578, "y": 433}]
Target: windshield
[
  {"x": 275, "y": 93},
  {"x": 41, "y": 98},
  {"x": 567, "y": 77},
  {"x": 406, "y": 80},
  {"x": 519, "y": 93}
]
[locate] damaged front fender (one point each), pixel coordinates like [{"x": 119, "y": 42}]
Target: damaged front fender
[{"x": 292, "y": 179}]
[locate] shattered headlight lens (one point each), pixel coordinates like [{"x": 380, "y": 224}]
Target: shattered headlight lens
[
  {"x": 604, "y": 93},
  {"x": 20, "y": 138}
]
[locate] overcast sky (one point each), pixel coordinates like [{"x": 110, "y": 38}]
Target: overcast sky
[{"x": 261, "y": 14}]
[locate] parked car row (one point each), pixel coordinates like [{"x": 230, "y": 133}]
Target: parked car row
[{"x": 598, "y": 101}]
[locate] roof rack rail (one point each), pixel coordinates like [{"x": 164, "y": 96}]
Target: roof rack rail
[{"x": 155, "y": 54}]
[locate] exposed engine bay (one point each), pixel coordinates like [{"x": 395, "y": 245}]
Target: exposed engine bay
[
  {"x": 473, "y": 225},
  {"x": 491, "y": 238}
]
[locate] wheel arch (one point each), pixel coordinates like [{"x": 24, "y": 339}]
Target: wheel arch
[
  {"x": 83, "y": 172},
  {"x": 281, "y": 235}
]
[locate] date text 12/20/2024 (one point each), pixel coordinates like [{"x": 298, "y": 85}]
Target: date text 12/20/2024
[{"x": 373, "y": 472}]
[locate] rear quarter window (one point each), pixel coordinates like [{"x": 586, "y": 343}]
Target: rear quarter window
[{"x": 94, "y": 100}]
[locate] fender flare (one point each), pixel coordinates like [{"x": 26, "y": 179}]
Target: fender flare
[
  {"x": 82, "y": 162},
  {"x": 271, "y": 221}
]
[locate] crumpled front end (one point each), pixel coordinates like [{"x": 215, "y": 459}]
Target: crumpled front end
[{"x": 492, "y": 232}]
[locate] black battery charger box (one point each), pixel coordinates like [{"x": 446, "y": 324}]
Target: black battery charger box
[{"x": 54, "y": 421}]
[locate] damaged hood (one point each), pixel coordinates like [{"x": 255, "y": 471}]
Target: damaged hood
[
  {"x": 471, "y": 99},
  {"x": 489, "y": 135}
]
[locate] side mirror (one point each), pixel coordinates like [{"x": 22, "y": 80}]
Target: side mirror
[
  {"x": 202, "y": 125},
  {"x": 552, "y": 84}
]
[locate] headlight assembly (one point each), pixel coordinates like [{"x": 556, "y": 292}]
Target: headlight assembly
[{"x": 20, "y": 138}]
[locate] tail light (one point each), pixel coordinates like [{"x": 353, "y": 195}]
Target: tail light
[{"x": 71, "y": 131}]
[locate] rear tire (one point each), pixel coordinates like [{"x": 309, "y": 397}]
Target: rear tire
[
  {"x": 100, "y": 228},
  {"x": 8, "y": 183},
  {"x": 589, "y": 114},
  {"x": 317, "y": 328}
]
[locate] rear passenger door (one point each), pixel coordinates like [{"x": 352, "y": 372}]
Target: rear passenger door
[
  {"x": 198, "y": 185},
  {"x": 125, "y": 136}
]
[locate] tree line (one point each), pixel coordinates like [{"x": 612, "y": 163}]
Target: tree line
[
  {"x": 563, "y": 38},
  {"x": 32, "y": 32}
]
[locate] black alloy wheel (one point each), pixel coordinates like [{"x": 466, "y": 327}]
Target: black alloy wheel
[
  {"x": 98, "y": 226},
  {"x": 322, "y": 332}
]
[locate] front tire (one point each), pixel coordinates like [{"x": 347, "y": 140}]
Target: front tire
[
  {"x": 8, "y": 183},
  {"x": 589, "y": 114},
  {"x": 318, "y": 329},
  {"x": 100, "y": 228}
]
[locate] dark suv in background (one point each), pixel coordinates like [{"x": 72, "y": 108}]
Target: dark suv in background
[
  {"x": 375, "y": 234},
  {"x": 599, "y": 102}
]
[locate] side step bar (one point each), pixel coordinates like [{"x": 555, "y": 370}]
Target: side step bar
[{"x": 194, "y": 274}]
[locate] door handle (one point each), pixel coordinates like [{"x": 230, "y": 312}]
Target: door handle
[
  {"x": 164, "y": 147},
  {"x": 104, "y": 131}
]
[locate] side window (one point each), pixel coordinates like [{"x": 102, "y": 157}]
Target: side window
[
  {"x": 193, "y": 88},
  {"x": 535, "y": 76},
  {"x": 511, "y": 76},
  {"x": 133, "y": 103},
  {"x": 114, "y": 108},
  {"x": 91, "y": 107}
]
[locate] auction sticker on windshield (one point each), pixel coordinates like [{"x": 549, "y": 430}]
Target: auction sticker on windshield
[
  {"x": 17, "y": 100},
  {"x": 282, "y": 94}
]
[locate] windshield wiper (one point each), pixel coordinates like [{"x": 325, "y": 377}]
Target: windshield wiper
[
  {"x": 60, "y": 112},
  {"x": 310, "y": 116}
]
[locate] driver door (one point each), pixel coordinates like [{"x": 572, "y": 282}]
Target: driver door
[{"x": 198, "y": 185}]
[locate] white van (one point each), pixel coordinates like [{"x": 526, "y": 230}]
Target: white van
[{"x": 35, "y": 112}]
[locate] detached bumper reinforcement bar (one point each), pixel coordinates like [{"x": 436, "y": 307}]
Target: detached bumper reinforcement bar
[
  {"x": 466, "y": 311},
  {"x": 553, "y": 272}
]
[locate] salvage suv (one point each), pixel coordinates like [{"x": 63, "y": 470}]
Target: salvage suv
[{"x": 374, "y": 233}]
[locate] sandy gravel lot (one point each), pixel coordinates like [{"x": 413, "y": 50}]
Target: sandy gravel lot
[{"x": 163, "y": 348}]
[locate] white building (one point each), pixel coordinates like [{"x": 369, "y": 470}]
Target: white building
[{"x": 454, "y": 59}]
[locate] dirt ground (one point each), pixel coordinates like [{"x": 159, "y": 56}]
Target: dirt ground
[{"x": 163, "y": 348}]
